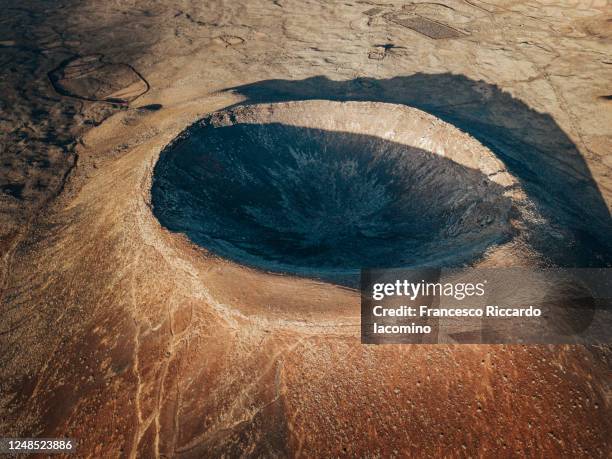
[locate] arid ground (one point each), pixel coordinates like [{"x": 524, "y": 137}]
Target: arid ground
[{"x": 136, "y": 342}]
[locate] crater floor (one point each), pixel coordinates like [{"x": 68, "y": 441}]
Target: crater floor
[{"x": 315, "y": 188}]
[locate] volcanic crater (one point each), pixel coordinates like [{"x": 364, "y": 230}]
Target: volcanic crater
[{"x": 322, "y": 189}]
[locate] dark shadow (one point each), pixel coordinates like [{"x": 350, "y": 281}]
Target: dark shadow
[
  {"x": 531, "y": 144},
  {"x": 323, "y": 203}
]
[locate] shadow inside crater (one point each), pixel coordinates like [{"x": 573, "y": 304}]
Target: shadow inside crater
[
  {"x": 322, "y": 203},
  {"x": 531, "y": 144}
]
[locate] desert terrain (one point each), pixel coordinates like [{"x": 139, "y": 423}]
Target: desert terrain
[{"x": 132, "y": 339}]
